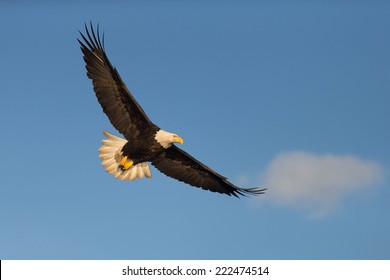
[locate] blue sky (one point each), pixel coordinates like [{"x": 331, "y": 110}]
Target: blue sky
[{"x": 292, "y": 96}]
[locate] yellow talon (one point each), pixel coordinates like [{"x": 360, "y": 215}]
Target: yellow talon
[
  {"x": 126, "y": 164},
  {"x": 123, "y": 161}
]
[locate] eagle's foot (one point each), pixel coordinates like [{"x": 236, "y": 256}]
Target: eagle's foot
[{"x": 125, "y": 163}]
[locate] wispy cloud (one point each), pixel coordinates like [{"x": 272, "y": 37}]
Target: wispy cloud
[{"x": 318, "y": 182}]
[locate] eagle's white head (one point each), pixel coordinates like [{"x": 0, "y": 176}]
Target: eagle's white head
[{"x": 166, "y": 139}]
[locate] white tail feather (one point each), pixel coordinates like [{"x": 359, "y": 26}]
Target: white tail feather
[{"x": 109, "y": 152}]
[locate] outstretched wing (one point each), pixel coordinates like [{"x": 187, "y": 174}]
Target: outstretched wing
[
  {"x": 123, "y": 111},
  {"x": 178, "y": 164}
]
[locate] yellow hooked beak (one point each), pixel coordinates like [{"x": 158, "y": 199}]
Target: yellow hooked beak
[{"x": 178, "y": 139}]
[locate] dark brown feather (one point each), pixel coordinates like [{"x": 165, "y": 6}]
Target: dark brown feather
[
  {"x": 178, "y": 164},
  {"x": 123, "y": 111}
]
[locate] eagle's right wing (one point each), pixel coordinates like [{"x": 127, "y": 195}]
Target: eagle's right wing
[{"x": 123, "y": 111}]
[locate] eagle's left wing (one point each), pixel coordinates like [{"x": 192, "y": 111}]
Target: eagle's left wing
[{"x": 178, "y": 164}]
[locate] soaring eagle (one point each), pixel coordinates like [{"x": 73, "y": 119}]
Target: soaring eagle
[{"x": 145, "y": 142}]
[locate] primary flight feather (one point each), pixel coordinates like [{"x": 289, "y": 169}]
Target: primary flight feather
[{"x": 144, "y": 141}]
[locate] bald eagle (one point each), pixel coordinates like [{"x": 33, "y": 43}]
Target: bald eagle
[{"x": 144, "y": 141}]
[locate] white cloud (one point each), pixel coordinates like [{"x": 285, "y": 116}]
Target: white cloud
[{"x": 318, "y": 182}]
